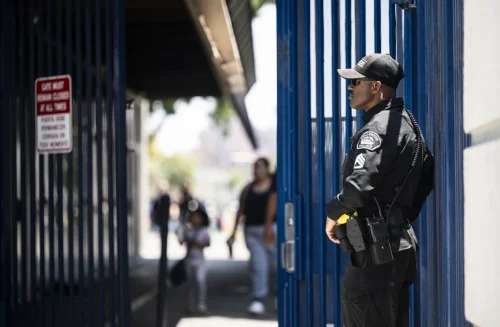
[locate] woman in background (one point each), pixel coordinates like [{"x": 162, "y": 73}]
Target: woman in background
[{"x": 253, "y": 208}]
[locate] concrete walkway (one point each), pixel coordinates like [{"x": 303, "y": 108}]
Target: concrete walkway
[{"x": 228, "y": 287}]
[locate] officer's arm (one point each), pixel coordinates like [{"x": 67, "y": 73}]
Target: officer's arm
[
  {"x": 425, "y": 185},
  {"x": 373, "y": 156}
]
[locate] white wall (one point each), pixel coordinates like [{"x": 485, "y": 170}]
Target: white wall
[{"x": 482, "y": 162}]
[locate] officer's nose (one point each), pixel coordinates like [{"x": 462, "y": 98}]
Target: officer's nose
[{"x": 350, "y": 87}]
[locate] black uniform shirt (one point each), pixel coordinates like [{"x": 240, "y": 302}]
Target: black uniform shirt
[{"x": 380, "y": 157}]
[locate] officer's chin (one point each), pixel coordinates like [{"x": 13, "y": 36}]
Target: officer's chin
[{"x": 353, "y": 106}]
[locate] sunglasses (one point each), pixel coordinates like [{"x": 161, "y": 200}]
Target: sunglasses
[{"x": 355, "y": 82}]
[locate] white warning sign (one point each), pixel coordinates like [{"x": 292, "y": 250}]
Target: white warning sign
[{"x": 54, "y": 132}]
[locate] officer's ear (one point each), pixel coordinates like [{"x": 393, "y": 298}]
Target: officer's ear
[{"x": 376, "y": 87}]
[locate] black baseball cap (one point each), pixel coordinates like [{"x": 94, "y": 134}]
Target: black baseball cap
[{"x": 376, "y": 66}]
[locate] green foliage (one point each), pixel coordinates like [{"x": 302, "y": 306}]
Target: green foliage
[
  {"x": 222, "y": 115},
  {"x": 176, "y": 169},
  {"x": 256, "y": 4},
  {"x": 234, "y": 180}
]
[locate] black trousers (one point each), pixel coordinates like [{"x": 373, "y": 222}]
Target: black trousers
[{"x": 378, "y": 296}]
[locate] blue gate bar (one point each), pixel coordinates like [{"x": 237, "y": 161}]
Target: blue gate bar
[
  {"x": 409, "y": 67},
  {"x": 320, "y": 127},
  {"x": 293, "y": 138},
  {"x": 79, "y": 84},
  {"x": 99, "y": 130},
  {"x": 41, "y": 170},
  {"x": 70, "y": 162},
  {"x": 9, "y": 222},
  {"x": 378, "y": 25},
  {"x": 30, "y": 155},
  {"x": 361, "y": 29},
  {"x": 392, "y": 30},
  {"x": 409, "y": 64},
  {"x": 121, "y": 154},
  {"x": 348, "y": 61},
  {"x": 336, "y": 147},
  {"x": 90, "y": 158},
  {"x": 305, "y": 89},
  {"x": 50, "y": 180},
  {"x": 110, "y": 162},
  {"x": 360, "y": 46},
  {"x": 456, "y": 34},
  {"x": 59, "y": 169},
  {"x": 287, "y": 100},
  {"x": 23, "y": 183},
  {"x": 421, "y": 285},
  {"x": 280, "y": 10}
]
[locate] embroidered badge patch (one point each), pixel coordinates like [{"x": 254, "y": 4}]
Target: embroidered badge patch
[
  {"x": 370, "y": 141},
  {"x": 359, "y": 162}
]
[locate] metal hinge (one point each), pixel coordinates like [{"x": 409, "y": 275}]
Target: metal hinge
[
  {"x": 406, "y": 4},
  {"x": 288, "y": 247}
]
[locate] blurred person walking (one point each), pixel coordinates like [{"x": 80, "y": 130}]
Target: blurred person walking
[
  {"x": 253, "y": 209},
  {"x": 196, "y": 238},
  {"x": 161, "y": 216}
]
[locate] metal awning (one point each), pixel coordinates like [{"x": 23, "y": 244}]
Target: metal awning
[{"x": 187, "y": 48}]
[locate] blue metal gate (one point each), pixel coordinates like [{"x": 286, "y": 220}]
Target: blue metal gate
[
  {"x": 63, "y": 217},
  {"x": 316, "y": 37}
]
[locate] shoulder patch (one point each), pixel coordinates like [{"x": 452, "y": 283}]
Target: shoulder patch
[
  {"x": 359, "y": 162},
  {"x": 369, "y": 141}
]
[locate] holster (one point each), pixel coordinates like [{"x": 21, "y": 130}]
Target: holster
[{"x": 356, "y": 233}]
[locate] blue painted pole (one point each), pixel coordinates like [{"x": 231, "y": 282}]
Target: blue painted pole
[
  {"x": 23, "y": 182},
  {"x": 421, "y": 286},
  {"x": 377, "y": 30},
  {"x": 59, "y": 172},
  {"x": 361, "y": 48},
  {"x": 336, "y": 150},
  {"x": 50, "y": 180},
  {"x": 306, "y": 118},
  {"x": 121, "y": 160},
  {"x": 100, "y": 160},
  {"x": 348, "y": 63},
  {"x": 336, "y": 146},
  {"x": 79, "y": 97},
  {"x": 70, "y": 162},
  {"x": 30, "y": 158},
  {"x": 392, "y": 30},
  {"x": 320, "y": 119},
  {"x": 281, "y": 66},
  {"x": 289, "y": 148},
  {"x": 41, "y": 170},
  {"x": 90, "y": 159},
  {"x": 110, "y": 162}
]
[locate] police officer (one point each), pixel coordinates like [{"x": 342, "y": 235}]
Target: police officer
[{"x": 388, "y": 172}]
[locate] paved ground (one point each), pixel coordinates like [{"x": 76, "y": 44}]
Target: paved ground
[
  {"x": 227, "y": 294},
  {"x": 227, "y": 289}
]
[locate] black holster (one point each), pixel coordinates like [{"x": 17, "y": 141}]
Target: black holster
[{"x": 341, "y": 235}]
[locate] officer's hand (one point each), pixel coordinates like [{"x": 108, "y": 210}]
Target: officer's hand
[{"x": 330, "y": 230}]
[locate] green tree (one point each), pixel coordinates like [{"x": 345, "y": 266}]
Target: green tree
[
  {"x": 222, "y": 115},
  {"x": 257, "y": 4},
  {"x": 176, "y": 169}
]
